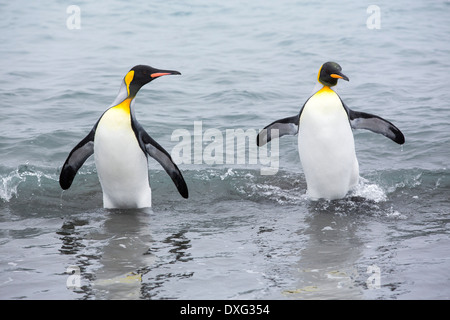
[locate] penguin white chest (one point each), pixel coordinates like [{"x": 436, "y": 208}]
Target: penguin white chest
[
  {"x": 326, "y": 147},
  {"x": 121, "y": 163}
]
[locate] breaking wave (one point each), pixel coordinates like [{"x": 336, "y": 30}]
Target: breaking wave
[{"x": 39, "y": 186}]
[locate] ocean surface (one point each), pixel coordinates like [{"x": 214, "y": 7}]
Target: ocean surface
[{"x": 241, "y": 234}]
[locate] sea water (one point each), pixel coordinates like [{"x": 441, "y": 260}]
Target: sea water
[{"x": 241, "y": 234}]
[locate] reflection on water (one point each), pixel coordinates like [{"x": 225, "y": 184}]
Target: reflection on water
[
  {"x": 329, "y": 262},
  {"x": 114, "y": 253},
  {"x": 124, "y": 256},
  {"x": 316, "y": 250},
  {"x": 170, "y": 251}
]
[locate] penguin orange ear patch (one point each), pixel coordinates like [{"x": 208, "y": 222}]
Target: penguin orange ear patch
[{"x": 128, "y": 78}]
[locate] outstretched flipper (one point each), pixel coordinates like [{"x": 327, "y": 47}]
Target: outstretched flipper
[
  {"x": 76, "y": 158},
  {"x": 162, "y": 156},
  {"x": 362, "y": 120},
  {"x": 286, "y": 126}
]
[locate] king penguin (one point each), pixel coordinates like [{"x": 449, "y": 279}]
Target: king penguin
[
  {"x": 120, "y": 146},
  {"x": 325, "y": 138}
]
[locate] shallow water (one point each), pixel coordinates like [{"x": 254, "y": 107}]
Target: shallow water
[{"x": 240, "y": 235}]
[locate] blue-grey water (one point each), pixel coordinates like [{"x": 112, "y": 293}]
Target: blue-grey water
[{"x": 241, "y": 234}]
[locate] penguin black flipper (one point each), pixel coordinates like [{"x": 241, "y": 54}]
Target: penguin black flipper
[
  {"x": 162, "y": 156},
  {"x": 285, "y": 126},
  {"x": 76, "y": 159},
  {"x": 165, "y": 160},
  {"x": 362, "y": 120}
]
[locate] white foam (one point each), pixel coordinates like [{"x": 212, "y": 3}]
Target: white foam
[
  {"x": 10, "y": 182},
  {"x": 370, "y": 191}
]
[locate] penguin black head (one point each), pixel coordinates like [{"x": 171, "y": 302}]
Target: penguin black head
[
  {"x": 140, "y": 75},
  {"x": 329, "y": 74}
]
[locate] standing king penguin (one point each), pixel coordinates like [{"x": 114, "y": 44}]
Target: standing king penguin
[
  {"x": 120, "y": 146},
  {"x": 325, "y": 139}
]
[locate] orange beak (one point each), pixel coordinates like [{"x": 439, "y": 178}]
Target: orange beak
[
  {"x": 163, "y": 73},
  {"x": 156, "y": 75},
  {"x": 339, "y": 76}
]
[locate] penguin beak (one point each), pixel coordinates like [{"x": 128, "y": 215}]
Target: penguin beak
[
  {"x": 339, "y": 76},
  {"x": 161, "y": 73}
]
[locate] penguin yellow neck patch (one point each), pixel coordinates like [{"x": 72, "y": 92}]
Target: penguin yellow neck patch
[
  {"x": 325, "y": 89},
  {"x": 128, "y": 78},
  {"x": 124, "y": 105}
]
